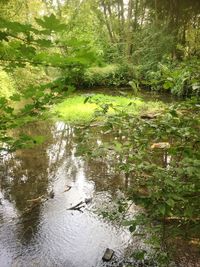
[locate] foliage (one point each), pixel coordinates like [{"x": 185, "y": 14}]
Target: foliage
[
  {"x": 23, "y": 43},
  {"x": 135, "y": 86},
  {"x": 180, "y": 79},
  {"x": 159, "y": 157},
  {"x": 169, "y": 176},
  {"x": 24, "y": 46},
  {"x": 32, "y": 76},
  {"x": 133, "y": 35},
  {"x": 146, "y": 34},
  {"x": 151, "y": 44},
  {"x": 110, "y": 75}
]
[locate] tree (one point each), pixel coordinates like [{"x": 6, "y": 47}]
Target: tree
[{"x": 22, "y": 45}]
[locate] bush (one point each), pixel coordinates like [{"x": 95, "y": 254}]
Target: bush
[
  {"x": 110, "y": 75},
  {"x": 181, "y": 79}
]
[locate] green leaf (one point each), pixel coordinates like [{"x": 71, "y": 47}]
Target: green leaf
[
  {"x": 167, "y": 85},
  {"x": 15, "y": 27},
  {"x": 162, "y": 209},
  {"x": 51, "y": 23},
  {"x": 3, "y": 36},
  {"x": 170, "y": 182},
  {"x": 127, "y": 223},
  {"x": 8, "y": 109},
  {"x": 188, "y": 212},
  {"x": 118, "y": 147},
  {"x": 15, "y": 97},
  {"x": 132, "y": 228},
  {"x": 3, "y": 101},
  {"x": 139, "y": 254},
  {"x": 27, "y": 51},
  {"x": 173, "y": 113},
  {"x": 170, "y": 202},
  {"x": 44, "y": 42},
  {"x": 87, "y": 99}
]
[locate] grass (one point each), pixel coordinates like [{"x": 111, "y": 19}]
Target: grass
[{"x": 75, "y": 110}]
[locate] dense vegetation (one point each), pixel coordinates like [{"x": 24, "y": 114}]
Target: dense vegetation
[
  {"x": 50, "y": 48},
  {"x": 158, "y": 155}
]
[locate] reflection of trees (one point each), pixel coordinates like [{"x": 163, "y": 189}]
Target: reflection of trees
[
  {"x": 62, "y": 149},
  {"x": 102, "y": 171},
  {"x": 26, "y": 174},
  {"x": 31, "y": 173},
  {"x": 102, "y": 174},
  {"x": 27, "y": 170}
]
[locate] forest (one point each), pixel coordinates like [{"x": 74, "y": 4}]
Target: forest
[{"x": 99, "y": 133}]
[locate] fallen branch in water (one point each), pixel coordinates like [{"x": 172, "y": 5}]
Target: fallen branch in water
[
  {"x": 36, "y": 201},
  {"x": 81, "y": 204},
  {"x": 67, "y": 188},
  {"x": 77, "y": 206}
]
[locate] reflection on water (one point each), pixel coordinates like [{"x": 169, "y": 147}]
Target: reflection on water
[{"x": 45, "y": 233}]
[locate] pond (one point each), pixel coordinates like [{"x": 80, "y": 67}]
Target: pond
[
  {"x": 39, "y": 191},
  {"x": 37, "y": 230}
]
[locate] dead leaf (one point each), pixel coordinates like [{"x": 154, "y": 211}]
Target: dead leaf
[{"x": 161, "y": 145}]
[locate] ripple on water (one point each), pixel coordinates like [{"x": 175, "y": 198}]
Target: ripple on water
[{"x": 49, "y": 235}]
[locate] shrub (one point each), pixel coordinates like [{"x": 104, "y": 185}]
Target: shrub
[
  {"x": 181, "y": 79},
  {"x": 110, "y": 75}
]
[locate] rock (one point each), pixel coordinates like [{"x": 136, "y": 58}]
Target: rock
[{"x": 108, "y": 254}]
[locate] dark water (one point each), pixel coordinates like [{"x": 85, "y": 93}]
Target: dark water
[
  {"x": 145, "y": 95},
  {"x": 45, "y": 233}
]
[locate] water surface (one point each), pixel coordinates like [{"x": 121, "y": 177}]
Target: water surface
[{"x": 46, "y": 233}]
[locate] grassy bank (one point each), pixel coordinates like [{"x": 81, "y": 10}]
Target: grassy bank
[{"x": 82, "y": 108}]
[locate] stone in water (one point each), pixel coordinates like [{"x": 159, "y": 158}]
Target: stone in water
[{"x": 108, "y": 254}]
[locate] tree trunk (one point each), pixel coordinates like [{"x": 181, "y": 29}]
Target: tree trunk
[
  {"x": 129, "y": 30},
  {"x": 136, "y": 15},
  {"x": 108, "y": 22},
  {"x": 121, "y": 2}
]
